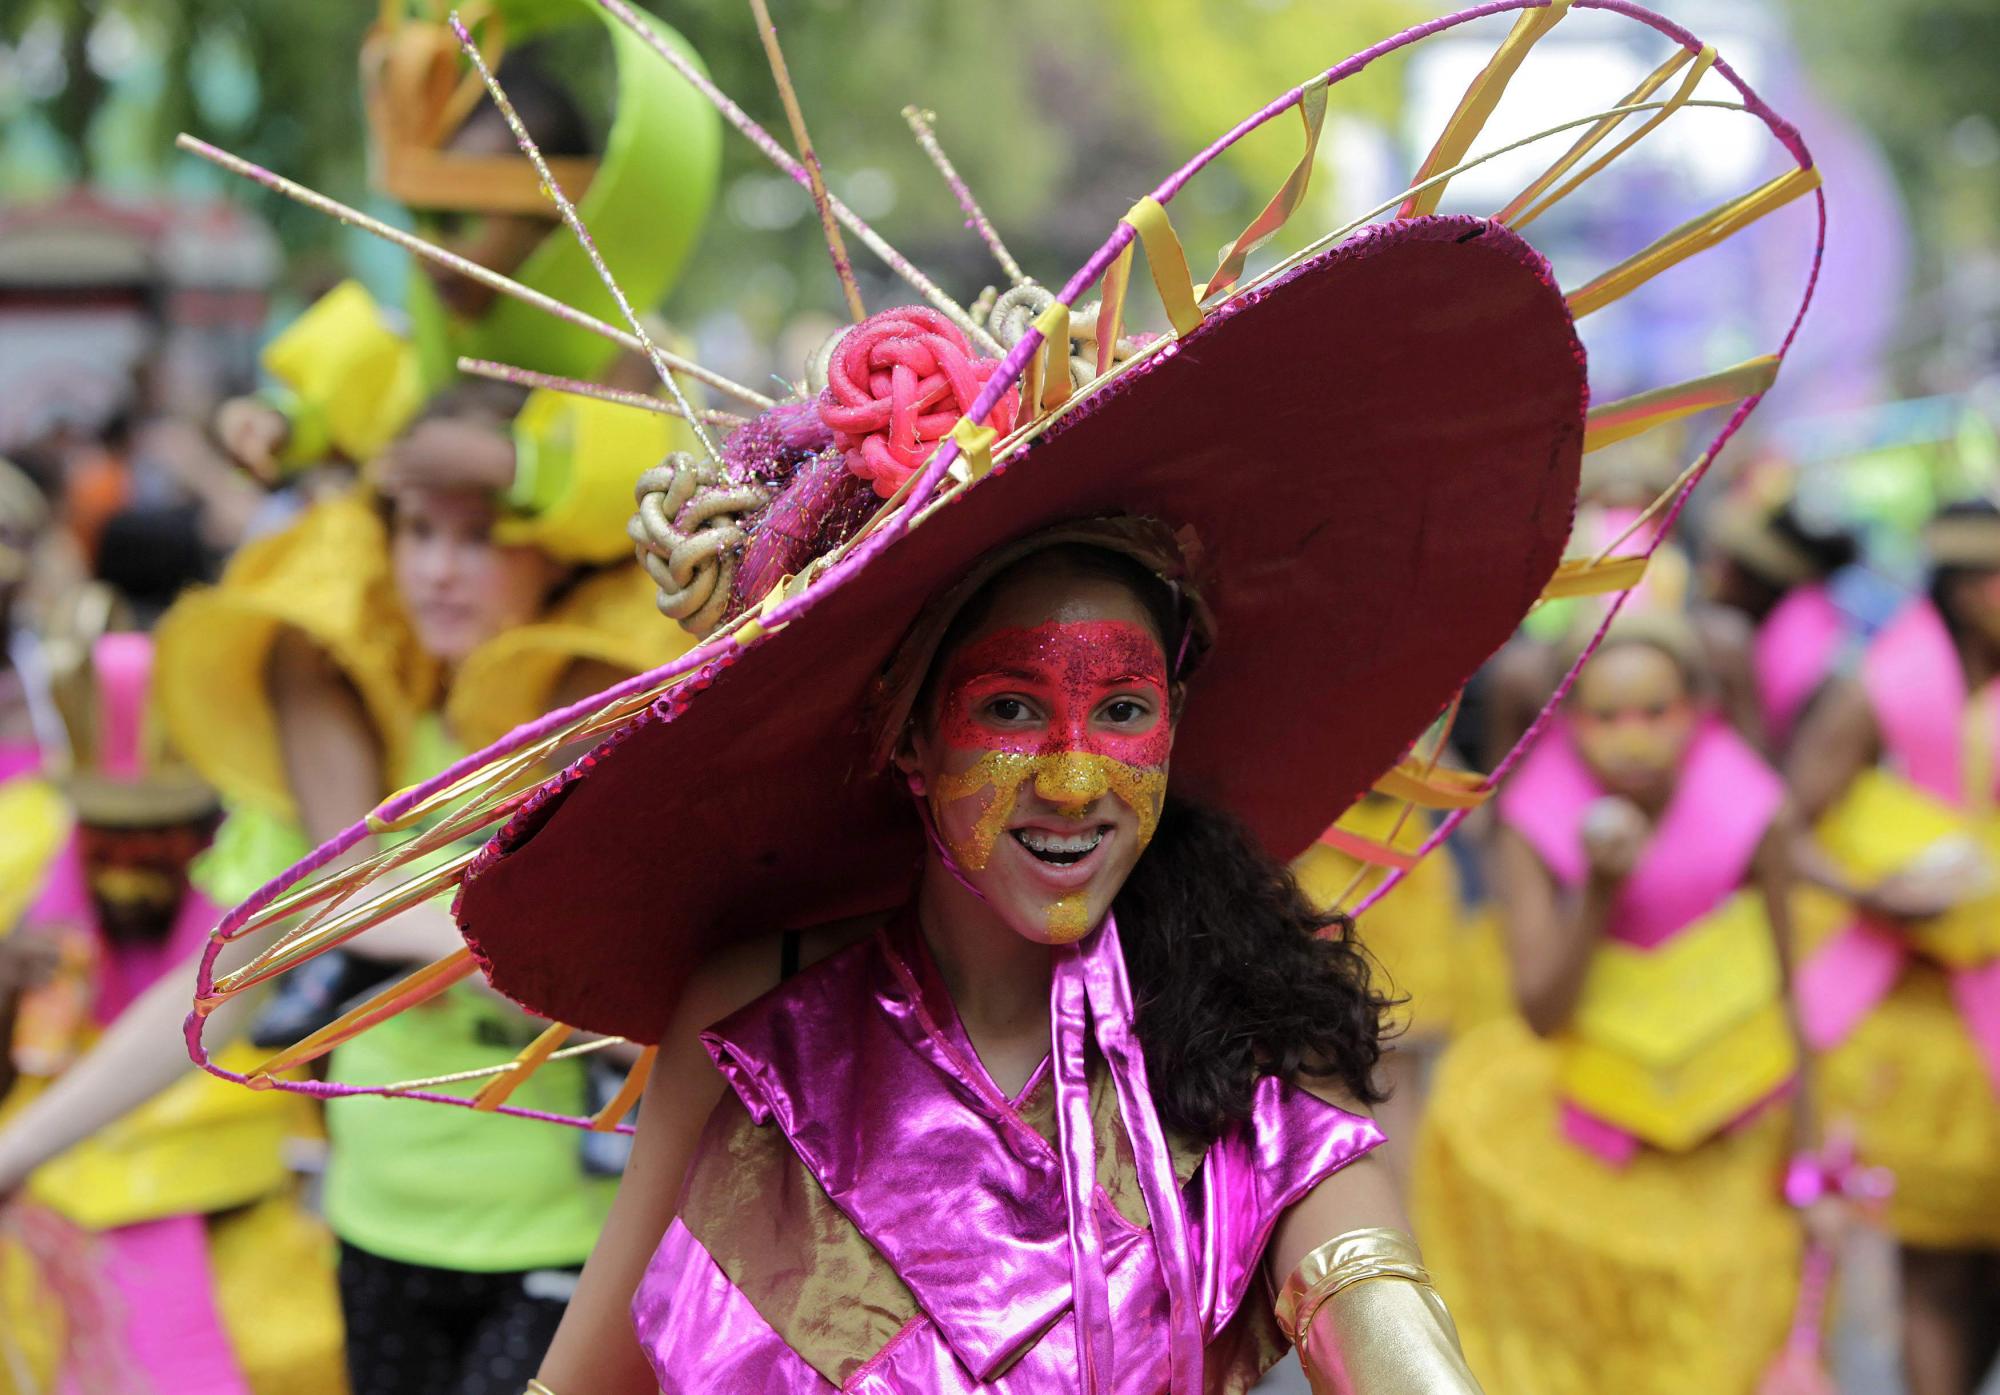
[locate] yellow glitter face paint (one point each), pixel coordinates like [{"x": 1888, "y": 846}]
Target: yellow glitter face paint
[
  {"x": 1069, "y": 919},
  {"x": 1080, "y": 711},
  {"x": 1070, "y": 780}
]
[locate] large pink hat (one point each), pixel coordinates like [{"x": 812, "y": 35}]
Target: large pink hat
[
  {"x": 1374, "y": 508},
  {"x": 1370, "y": 448}
]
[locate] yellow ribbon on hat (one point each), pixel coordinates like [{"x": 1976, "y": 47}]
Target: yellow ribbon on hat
[
  {"x": 1111, "y": 307},
  {"x": 1372, "y": 851},
  {"x": 1167, "y": 262},
  {"x": 1284, "y": 203},
  {"x": 1519, "y": 214},
  {"x": 1587, "y": 576},
  {"x": 1477, "y": 105},
  {"x": 615, "y": 1108},
  {"x": 496, "y": 1091},
  {"x": 1696, "y": 235},
  {"x": 1432, "y": 786},
  {"x": 1048, "y": 384},
  {"x": 975, "y": 446},
  {"x": 1629, "y": 416}
]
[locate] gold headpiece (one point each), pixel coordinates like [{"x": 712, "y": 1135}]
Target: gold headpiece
[
  {"x": 418, "y": 93},
  {"x": 1742, "y": 531},
  {"x": 1969, "y": 540},
  {"x": 1666, "y": 629},
  {"x": 119, "y": 772}
]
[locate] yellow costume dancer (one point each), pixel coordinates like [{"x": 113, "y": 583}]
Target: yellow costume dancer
[
  {"x": 1904, "y": 999},
  {"x": 188, "y": 1201},
  {"x": 1602, "y": 1193}
]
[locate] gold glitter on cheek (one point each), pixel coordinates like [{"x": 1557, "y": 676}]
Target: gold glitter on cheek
[
  {"x": 1141, "y": 790},
  {"x": 1002, "y": 772},
  {"x": 1069, "y": 918}
]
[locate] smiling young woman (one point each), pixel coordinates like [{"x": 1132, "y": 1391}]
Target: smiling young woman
[{"x": 1031, "y": 715}]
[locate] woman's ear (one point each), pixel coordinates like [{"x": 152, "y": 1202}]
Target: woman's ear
[
  {"x": 909, "y": 763},
  {"x": 1176, "y": 701}
]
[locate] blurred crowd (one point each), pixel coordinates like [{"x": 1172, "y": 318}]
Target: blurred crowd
[{"x": 260, "y": 570}]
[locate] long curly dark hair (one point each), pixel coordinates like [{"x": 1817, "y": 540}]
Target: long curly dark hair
[
  {"x": 1237, "y": 976},
  {"x": 1234, "y": 973}
]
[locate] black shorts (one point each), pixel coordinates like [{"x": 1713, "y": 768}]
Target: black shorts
[{"x": 422, "y": 1331}]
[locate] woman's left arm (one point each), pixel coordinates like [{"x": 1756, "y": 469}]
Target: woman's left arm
[{"x": 1353, "y": 1294}]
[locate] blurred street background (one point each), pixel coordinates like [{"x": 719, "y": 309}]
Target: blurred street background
[{"x": 138, "y": 284}]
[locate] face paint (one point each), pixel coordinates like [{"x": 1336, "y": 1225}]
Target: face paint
[
  {"x": 1069, "y": 919},
  {"x": 1042, "y": 704}
]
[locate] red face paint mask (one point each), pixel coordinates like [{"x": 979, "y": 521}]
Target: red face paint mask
[
  {"x": 1048, "y": 704},
  {"x": 1059, "y": 676},
  {"x": 1078, "y": 709}
]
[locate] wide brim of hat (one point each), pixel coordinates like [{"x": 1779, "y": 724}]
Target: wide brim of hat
[{"x": 1378, "y": 452}]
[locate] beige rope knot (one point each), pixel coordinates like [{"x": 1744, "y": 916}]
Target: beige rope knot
[
  {"x": 1015, "y": 310},
  {"x": 690, "y": 536}
]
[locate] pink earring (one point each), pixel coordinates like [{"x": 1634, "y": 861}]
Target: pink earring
[{"x": 916, "y": 784}]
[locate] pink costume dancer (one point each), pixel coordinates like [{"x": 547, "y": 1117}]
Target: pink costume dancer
[
  {"x": 960, "y": 600},
  {"x": 936, "y": 1204},
  {"x": 160, "y": 1191},
  {"x": 1698, "y": 857}
]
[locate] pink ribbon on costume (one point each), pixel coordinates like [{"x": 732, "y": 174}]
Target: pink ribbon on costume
[
  {"x": 1091, "y": 996},
  {"x": 1794, "y": 652},
  {"x": 1844, "y": 980},
  {"x": 1110, "y": 992},
  {"x": 1090, "y": 1294}
]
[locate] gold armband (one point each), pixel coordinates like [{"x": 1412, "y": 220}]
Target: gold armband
[
  {"x": 535, "y": 1387},
  {"x": 1366, "y": 1320}
]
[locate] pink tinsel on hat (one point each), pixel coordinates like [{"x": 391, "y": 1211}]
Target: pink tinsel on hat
[{"x": 897, "y": 383}]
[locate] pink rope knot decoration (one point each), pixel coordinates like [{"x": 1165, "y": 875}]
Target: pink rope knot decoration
[{"x": 897, "y": 384}]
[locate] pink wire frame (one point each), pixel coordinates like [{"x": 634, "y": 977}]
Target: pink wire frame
[{"x": 717, "y": 653}]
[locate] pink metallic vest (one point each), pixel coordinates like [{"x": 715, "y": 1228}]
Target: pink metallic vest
[{"x": 931, "y": 1214}]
